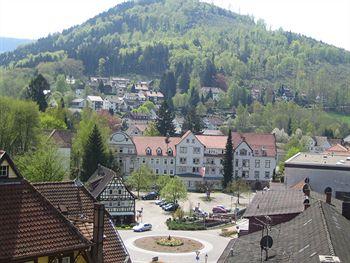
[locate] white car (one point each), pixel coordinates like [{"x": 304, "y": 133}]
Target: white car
[{"x": 142, "y": 227}]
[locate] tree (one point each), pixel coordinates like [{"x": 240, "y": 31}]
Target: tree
[
  {"x": 141, "y": 179},
  {"x": 228, "y": 161},
  {"x": 35, "y": 91},
  {"x": 238, "y": 187},
  {"x": 289, "y": 126},
  {"x": 165, "y": 118},
  {"x": 94, "y": 154},
  {"x": 151, "y": 130},
  {"x": 168, "y": 85},
  {"x": 43, "y": 164},
  {"x": 49, "y": 122},
  {"x": 184, "y": 81},
  {"x": 174, "y": 190},
  {"x": 242, "y": 119},
  {"x": 101, "y": 71},
  {"x": 209, "y": 74},
  {"x": 162, "y": 181},
  {"x": 192, "y": 122}
]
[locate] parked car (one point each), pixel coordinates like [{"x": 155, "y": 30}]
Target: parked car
[
  {"x": 164, "y": 204},
  {"x": 171, "y": 208},
  {"x": 167, "y": 205},
  {"x": 150, "y": 196},
  {"x": 142, "y": 227},
  {"x": 219, "y": 210},
  {"x": 199, "y": 212},
  {"x": 159, "y": 202}
]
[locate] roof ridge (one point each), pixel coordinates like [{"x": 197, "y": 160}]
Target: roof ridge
[
  {"x": 55, "y": 182},
  {"x": 324, "y": 221}
]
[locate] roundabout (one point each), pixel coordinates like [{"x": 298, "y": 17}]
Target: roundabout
[{"x": 168, "y": 244}]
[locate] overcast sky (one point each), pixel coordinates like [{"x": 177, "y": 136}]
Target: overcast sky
[{"x": 326, "y": 20}]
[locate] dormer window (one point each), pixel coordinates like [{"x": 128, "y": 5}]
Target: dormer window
[
  {"x": 170, "y": 152},
  {"x": 4, "y": 171},
  {"x": 148, "y": 151},
  {"x": 159, "y": 151}
]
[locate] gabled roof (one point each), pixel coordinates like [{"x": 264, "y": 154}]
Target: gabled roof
[
  {"x": 257, "y": 141},
  {"x": 155, "y": 142},
  {"x": 337, "y": 148},
  {"x": 276, "y": 202},
  {"x": 95, "y": 98},
  {"x": 80, "y": 206},
  {"x": 100, "y": 180},
  {"x": 214, "y": 142},
  {"x": 32, "y": 226},
  {"x": 319, "y": 230},
  {"x": 5, "y": 156},
  {"x": 63, "y": 138}
]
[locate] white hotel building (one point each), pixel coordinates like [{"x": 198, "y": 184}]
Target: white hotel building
[{"x": 186, "y": 156}]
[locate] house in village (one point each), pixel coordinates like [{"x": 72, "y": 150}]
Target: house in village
[
  {"x": 63, "y": 140},
  {"x": 77, "y": 103},
  {"x": 135, "y": 118},
  {"x": 195, "y": 158},
  {"x": 109, "y": 189},
  {"x": 115, "y": 103},
  {"x": 215, "y": 91},
  {"x": 155, "y": 96},
  {"x": 136, "y": 130},
  {"x": 94, "y": 102},
  {"x": 53, "y": 222}
]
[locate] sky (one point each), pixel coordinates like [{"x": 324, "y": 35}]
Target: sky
[{"x": 326, "y": 20}]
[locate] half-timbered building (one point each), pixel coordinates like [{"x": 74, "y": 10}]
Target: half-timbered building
[{"x": 107, "y": 187}]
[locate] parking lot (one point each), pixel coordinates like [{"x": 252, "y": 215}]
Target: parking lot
[{"x": 153, "y": 214}]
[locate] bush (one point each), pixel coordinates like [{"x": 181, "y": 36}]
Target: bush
[
  {"x": 180, "y": 225},
  {"x": 172, "y": 242}
]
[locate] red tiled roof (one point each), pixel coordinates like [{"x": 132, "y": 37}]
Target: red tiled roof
[
  {"x": 216, "y": 142},
  {"x": 154, "y": 142},
  {"x": 31, "y": 226},
  {"x": 256, "y": 141},
  {"x": 337, "y": 148},
  {"x": 63, "y": 138},
  {"x": 80, "y": 206}
]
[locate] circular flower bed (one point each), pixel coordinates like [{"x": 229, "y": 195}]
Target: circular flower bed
[{"x": 169, "y": 241}]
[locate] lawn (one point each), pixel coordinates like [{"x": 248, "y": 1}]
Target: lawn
[{"x": 341, "y": 117}]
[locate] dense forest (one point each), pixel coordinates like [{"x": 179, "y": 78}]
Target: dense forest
[{"x": 201, "y": 43}]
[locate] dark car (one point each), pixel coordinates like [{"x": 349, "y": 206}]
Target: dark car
[
  {"x": 150, "y": 196},
  {"x": 219, "y": 210},
  {"x": 171, "y": 207}
]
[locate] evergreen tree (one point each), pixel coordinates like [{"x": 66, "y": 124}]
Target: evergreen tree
[
  {"x": 208, "y": 78},
  {"x": 133, "y": 88},
  {"x": 194, "y": 97},
  {"x": 94, "y": 154},
  {"x": 289, "y": 127},
  {"x": 192, "y": 122},
  {"x": 228, "y": 161},
  {"x": 35, "y": 91},
  {"x": 168, "y": 85},
  {"x": 164, "y": 122},
  {"x": 184, "y": 81}
]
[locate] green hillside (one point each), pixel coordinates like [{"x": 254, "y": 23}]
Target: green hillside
[{"x": 150, "y": 37}]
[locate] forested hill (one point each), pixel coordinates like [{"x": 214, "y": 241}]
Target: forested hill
[{"x": 150, "y": 36}]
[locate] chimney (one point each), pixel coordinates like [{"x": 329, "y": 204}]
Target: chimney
[
  {"x": 346, "y": 209},
  {"x": 328, "y": 192},
  {"x": 306, "y": 203},
  {"x": 97, "y": 249}
]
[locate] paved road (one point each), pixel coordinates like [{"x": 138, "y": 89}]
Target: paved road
[{"x": 213, "y": 246}]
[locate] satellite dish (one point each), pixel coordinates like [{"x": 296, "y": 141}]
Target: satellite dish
[
  {"x": 266, "y": 242},
  {"x": 307, "y": 180},
  {"x": 306, "y": 187}
]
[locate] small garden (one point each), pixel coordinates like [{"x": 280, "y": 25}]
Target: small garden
[
  {"x": 193, "y": 223},
  {"x": 169, "y": 241}
]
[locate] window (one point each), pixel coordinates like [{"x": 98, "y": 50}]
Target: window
[
  {"x": 257, "y": 163},
  {"x": 165, "y": 161},
  {"x": 4, "y": 171},
  {"x": 118, "y": 204},
  {"x": 195, "y": 160},
  {"x": 165, "y": 172},
  {"x": 243, "y": 152},
  {"x": 267, "y": 175},
  {"x": 182, "y": 169},
  {"x": 148, "y": 151},
  {"x": 256, "y": 152},
  {"x": 193, "y": 140},
  {"x": 245, "y": 163},
  {"x": 236, "y": 162},
  {"x": 221, "y": 161},
  {"x": 267, "y": 163},
  {"x": 65, "y": 260},
  {"x": 159, "y": 151},
  {"x": 171, "y": 161},
  {"x": 183, "y": 160},
  {"x": 119, "y": 191},
  {"x": 196, "y": 150},
  {"x": 183, "y": 149},
  {"x": 171, "y": 172},
  {"x": 245, "y": 174},
  {"x": 152, "y": 161},
  {"x": 188, "y": 140},
  {"x": 195, "y": 169},
  {"x": 121, "y": 150},
  {"x": 157, "y": 161},
  {"x": 157, "y": 171},
  {"x": 110, "y": 192},
  {"x": 170, "y": 152},
  {"x": 212, "y": 170},
  {"x": 256, "y": 174},
  {"x": 143, "y": 160}
]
